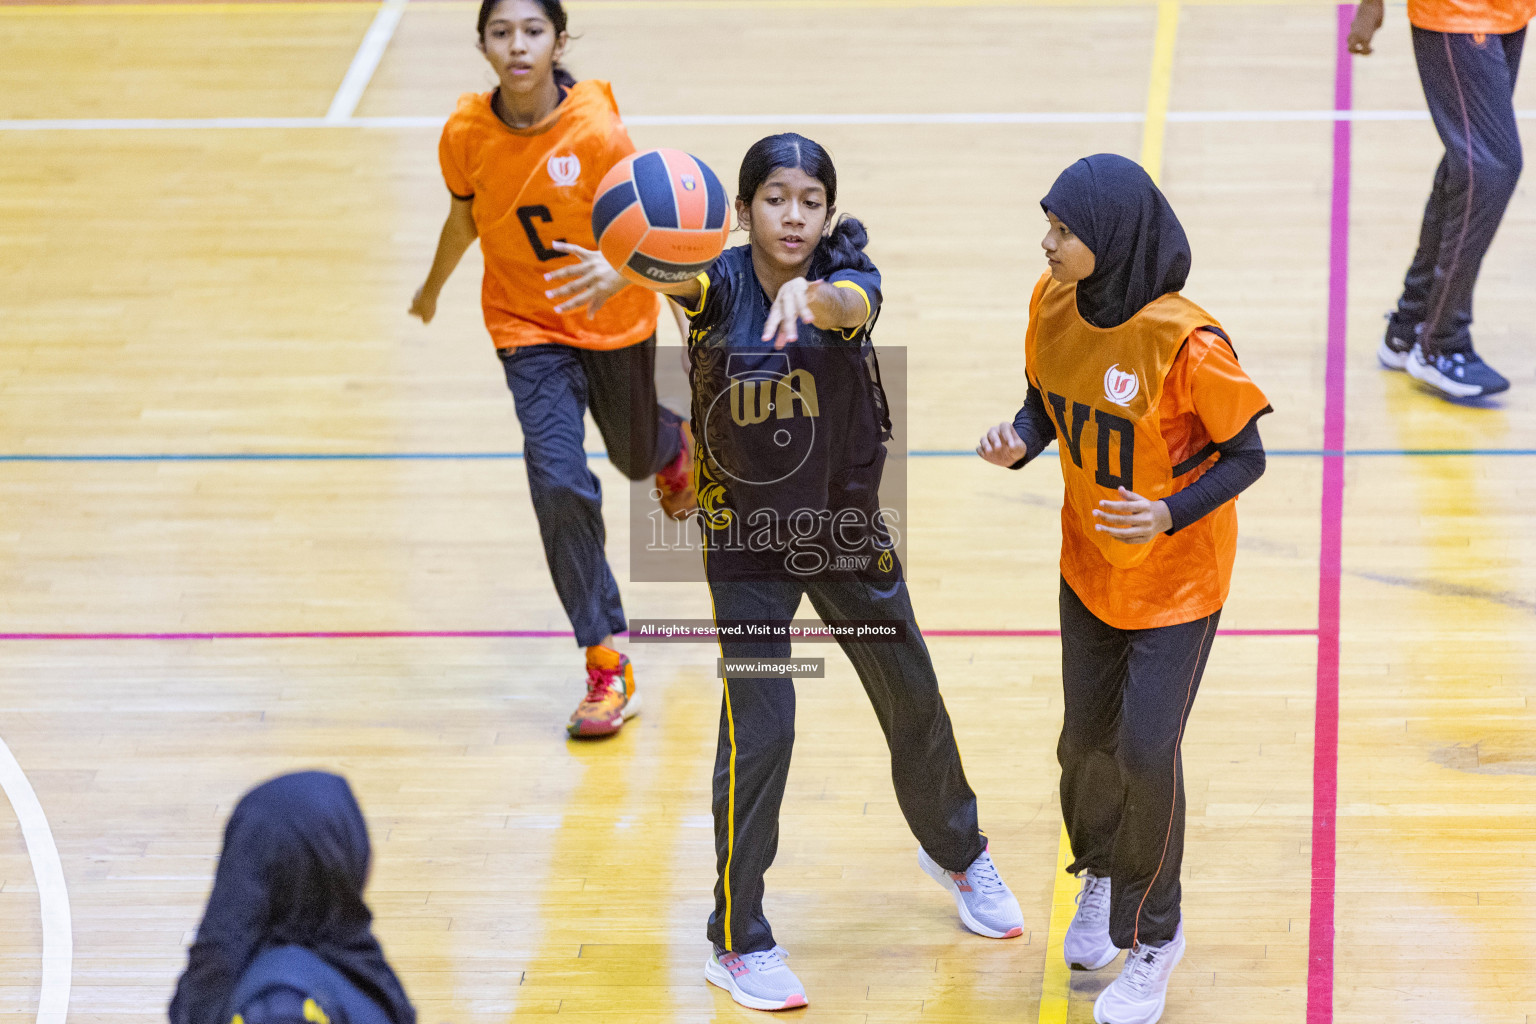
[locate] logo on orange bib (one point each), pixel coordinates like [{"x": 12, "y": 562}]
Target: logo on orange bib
[
  {"x": 1120, "y": 387},
  {"x": 564, "y": 170}
]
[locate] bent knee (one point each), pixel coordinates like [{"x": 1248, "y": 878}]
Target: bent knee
[
  {"x": 1503, "y": 171},
  {"x": 565, "y": 499},
  {"x": 1078, "y": 743},
  {"x": 1143, "y": 760},
  {"x": 1489, "y": 175}
]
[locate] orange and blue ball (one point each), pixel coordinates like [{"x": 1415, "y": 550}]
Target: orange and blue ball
[{"x": 661, "y": 217}]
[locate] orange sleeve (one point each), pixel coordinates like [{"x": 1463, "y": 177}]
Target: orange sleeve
[
  {"x": 450, "y": 155},
  {"x": 1225, "y": 399}
]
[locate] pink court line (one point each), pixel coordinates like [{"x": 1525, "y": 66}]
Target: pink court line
[
  {"x": 1325, "y": 735},
  {"x": 1057, "y": 632},
  {"x": 511, "y": 634},
  {"x": 335, "y": 634}
]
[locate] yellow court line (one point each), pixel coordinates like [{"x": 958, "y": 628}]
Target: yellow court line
[
  {"x": 1058, "y": 976},
  {"x": 1159, "y": 87}
]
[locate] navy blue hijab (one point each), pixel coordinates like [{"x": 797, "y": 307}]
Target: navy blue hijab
[
  {"x": 292, "y": 872},
  {"x": 1139, "y": 249}
]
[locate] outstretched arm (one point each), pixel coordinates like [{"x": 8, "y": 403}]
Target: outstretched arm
[
  {"x": 458, "y": 232},
  {"x": 687, "y": 293},
  {"x": 819, "y": 303}
]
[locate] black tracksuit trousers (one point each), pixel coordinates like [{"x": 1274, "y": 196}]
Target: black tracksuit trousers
[
  {"x": 757, "y": 734},
  {"x": 1469, "y": 82},
  {"x": 553, "y": 387},
  {"x": 1128, "y": 693}
]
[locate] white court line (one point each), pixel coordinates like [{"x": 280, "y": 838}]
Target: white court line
[
  {"x": 736, "y": 120},
  {"x": 88, "y": 124},
  {"x": 365, "y": 62},
  {"x": 52, "y": 896}
]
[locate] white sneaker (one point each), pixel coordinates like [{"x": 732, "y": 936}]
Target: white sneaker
[
  {"x": 986, "y": 904},
  {"x": 758, "y": 981},
  {"x": 1088, "y": 946},
  {"x": 1137, "y": 996}
]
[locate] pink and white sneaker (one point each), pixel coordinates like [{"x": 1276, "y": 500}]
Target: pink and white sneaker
[
  {"x": 986, "y": 904},
  {"x": 759, "y": 981}
]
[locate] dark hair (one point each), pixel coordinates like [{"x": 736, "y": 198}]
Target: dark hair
[
  {"x": 843, "y": 248},
  {"x": 554, "y": 10}
]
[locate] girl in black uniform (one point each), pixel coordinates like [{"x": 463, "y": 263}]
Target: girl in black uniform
[{"x": 787, "y": 402}]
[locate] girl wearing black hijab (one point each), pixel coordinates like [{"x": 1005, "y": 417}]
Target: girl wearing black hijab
[
  {"x": 1157, "y": 430},
  {"x": 286, "y": 936}
]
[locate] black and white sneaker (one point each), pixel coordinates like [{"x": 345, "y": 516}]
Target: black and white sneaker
[
  {"x": 1455, "y": 374},
  {"x": 1393, "y": 351}
]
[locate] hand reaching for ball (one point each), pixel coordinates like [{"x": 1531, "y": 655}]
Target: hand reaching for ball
[{"x": 593, "y": 281}]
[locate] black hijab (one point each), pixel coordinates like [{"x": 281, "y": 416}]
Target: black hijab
[
  {"x": 293, "y": 868},
  {"x": 1138, "y": 245}
]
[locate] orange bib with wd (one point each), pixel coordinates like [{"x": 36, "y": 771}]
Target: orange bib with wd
[{"x": 1102, "y": 386}]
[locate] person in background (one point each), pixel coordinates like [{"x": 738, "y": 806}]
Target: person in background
[{"x": 1468, "y": 52}]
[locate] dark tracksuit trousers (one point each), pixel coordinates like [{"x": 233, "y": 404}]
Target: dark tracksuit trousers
[
  {"x": 553, "y": 386},
  {"x": 757, "y": 734},
  {"x": 1469, "y": 81},
  {"x": 1128, "y": 693}
]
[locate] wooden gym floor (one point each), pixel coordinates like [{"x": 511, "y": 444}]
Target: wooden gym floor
[{"x": 207, "y": 245}]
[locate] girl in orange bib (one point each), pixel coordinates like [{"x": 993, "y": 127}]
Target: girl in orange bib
[
  {"x": 1156, "y": 424},
  {"x": 523, "y": 163}
]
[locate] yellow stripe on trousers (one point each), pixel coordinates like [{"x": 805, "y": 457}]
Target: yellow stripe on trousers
[
  {"x": 730, "y": 725},
  {"x": 1056, "y": 985},
  {"x": 730, "y": 812}
]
